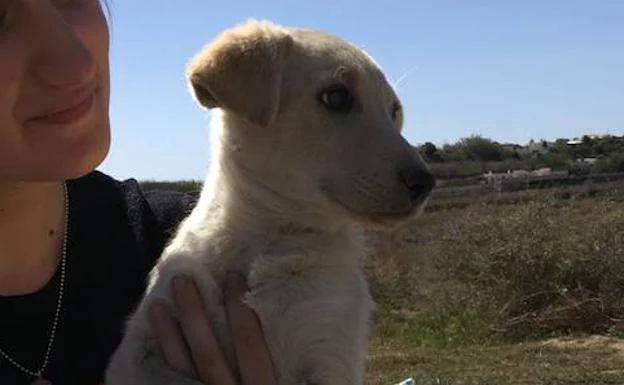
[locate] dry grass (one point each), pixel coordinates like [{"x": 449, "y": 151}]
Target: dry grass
[
  {"x": 468, "y": 295},
  {"x": 592, "y": 360}
]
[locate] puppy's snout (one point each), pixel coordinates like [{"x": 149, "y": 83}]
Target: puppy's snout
[
  {"x": 202, "y": 92},
  {"x": 419, "y": 183}
]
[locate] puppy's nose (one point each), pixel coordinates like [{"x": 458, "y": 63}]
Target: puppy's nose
[{"x": 419, "y": 183}]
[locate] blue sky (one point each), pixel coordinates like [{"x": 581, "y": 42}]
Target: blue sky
[{"x": 508, "y": 70}]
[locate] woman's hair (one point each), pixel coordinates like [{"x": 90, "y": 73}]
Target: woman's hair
[{"x": 107, "y": 11}]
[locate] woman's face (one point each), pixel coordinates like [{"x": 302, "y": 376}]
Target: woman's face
[{"x": 54, "y": 89}]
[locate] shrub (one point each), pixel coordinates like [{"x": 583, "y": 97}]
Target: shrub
[
  {"x": 489, "y": 272},
  {"x": 548, "y": 268}
]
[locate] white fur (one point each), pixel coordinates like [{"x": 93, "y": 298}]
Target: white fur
[{"x": 304, "y": 268}]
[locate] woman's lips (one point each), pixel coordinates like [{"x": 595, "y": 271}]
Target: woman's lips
[{"x": 68, "y": 115}]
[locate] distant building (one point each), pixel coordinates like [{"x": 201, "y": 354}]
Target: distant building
[
  {"x": 540, "y": 147},
  {"x": 587, "y": 160}
]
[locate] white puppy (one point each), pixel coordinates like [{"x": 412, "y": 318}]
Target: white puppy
[{"x": 307, "y": 147}]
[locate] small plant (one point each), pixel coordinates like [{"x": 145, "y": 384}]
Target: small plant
[{"x": 540, "y": 268}]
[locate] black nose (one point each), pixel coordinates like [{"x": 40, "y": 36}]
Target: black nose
[{"x": 419, "y": 182}]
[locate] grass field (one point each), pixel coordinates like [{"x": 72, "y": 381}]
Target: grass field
[
  {"x": 514, "y": 288},
  {"x": 526, "y": 292}
]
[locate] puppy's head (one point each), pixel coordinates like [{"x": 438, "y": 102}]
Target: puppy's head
[{"x": 313, "y": 119}]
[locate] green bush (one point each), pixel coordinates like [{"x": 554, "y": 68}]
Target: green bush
[{"x": 189, "y": 186}]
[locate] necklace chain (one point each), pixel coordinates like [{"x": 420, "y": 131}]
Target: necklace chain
[{"x": 59, "y": 302}]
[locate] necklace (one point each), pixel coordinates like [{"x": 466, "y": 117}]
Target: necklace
[{"x": 39, "y": 373}]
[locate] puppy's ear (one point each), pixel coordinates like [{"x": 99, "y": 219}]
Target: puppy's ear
[{"x": 241, "y": 71}]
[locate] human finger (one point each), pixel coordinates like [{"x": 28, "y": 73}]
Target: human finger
[
  {"x": 252, "y": 353},
  {"x": 170, "y": 340},
  {"x": 207, "y": 357}
]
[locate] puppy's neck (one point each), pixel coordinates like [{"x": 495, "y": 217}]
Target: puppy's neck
[
  {"x": 255, "y": 212},
  {"x": 235, "y": 211}
]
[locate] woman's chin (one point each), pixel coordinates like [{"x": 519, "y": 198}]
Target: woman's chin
[
  {"x": 83, "y": 163},
  {"x": 72, "y": 160}
]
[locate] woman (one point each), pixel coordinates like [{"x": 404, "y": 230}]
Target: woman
[{"x": 76, "y": 245}]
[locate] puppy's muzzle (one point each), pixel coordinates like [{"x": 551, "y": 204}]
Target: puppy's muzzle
[{"x": 419, "y": 183}]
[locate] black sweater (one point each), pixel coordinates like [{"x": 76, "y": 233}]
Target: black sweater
[{"x": 116, "y": 233}]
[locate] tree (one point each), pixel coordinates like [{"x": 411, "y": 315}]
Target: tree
[
  {"x": 429, "y": 149},
  {"x": 587, "y": 140},
  {"x": 430, "y": 152},
  {"x": 613, "y": 144},
  {"x": 453, "y": 153},
  {"x": 481, "y": 149},
  {"x": 555, "y": 161},
  {"x": 617, "y": 162}
]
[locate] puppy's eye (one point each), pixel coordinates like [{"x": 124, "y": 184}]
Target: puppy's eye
[
  {"x": 396, "y": 108},
  {"x": 338, "y": 99}
]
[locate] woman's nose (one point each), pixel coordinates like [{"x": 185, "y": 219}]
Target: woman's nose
[{"x": 60, "y": 58}]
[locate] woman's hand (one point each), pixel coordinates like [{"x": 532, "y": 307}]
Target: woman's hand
[{"x": 202, "y": 358}]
